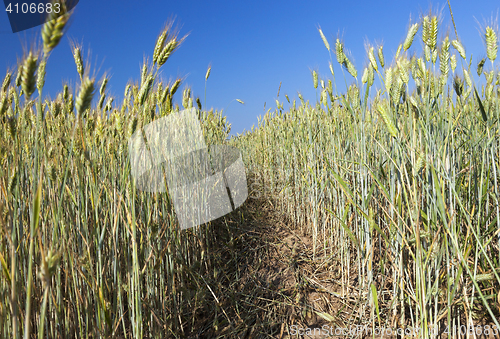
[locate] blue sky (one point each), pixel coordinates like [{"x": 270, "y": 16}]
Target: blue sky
[{"x": 251, "y": 45}]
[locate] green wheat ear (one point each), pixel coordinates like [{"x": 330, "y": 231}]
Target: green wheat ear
[
  {"x": 388, "y": 122},
  {"x": 364, "y": 77},
  {"x": 85, "y": 96},
  {"x": 458, "y": 85},
  {"x": 168, "y": 42},
  {"x": 444, "y": 57},
  {"x": 325, "y": 41},
  {"x": 491, "y": 43},
  {"x": 53, "y": 29},
  {"x": 371, "y": 57},
  {"x": 28, "y": 79},
  {"x": 453, "y": 62},
  {"x": 159, "y": 46},
  {"x": 145, "y": 89},
  {"x": 410, "y": 36},
  {"x": 459, "y": 47},
  {"x": 315, "y": 79},
  {"x": 175, "y": 86},
  {"x": 3, "y": 103},
  {"x": 381, "y": 56},
  {"x": 209, "y": 69},
  {"x": 480, "y": 66},
  {"x": 40, "y": 81},
  {"x": 350, "y": 68},
  {"x": 339, "y": 52},
  {"x": 77, "y": 54},
  {"x": 6, "y": 81}
]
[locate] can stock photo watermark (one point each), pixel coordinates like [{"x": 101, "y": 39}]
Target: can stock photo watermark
[
  {"x": 170, "y": 154},
  {"x": 358, "y": 331}
]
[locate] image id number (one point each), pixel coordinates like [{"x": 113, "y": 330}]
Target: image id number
[{"x": 33, "y": 8}]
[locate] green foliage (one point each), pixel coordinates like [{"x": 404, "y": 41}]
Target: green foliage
[
  {"x": 406, "y": 182},
  {"x": 86, "y": 252}
]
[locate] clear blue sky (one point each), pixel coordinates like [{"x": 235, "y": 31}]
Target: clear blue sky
[{"x": 252, "y": 45}]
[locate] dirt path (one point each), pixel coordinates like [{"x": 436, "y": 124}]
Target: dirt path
[{"x": 270, "y": 286}]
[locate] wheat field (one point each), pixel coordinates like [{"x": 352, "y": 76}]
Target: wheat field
[{"x": 376, "y": 208}]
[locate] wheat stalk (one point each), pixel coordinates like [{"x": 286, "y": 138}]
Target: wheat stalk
[
  {"x": 167, "y": 42},
  {"x": 315, "y": 79},
  {"x": 453, "y": 62},
  {"x": 209, "y": 69},
  {"x": 159, "y": 46},
  {"x": 388, "y": 78},
  {"x": 163, "y": 95},
  {"x": 433, "y": 28},
  {"x": 491, "y": 39},
  {"x": 390, "y": 125},
  {"x": 410, "y": 36},
  {"x": 53, "y": 29},
  {"x": 404, "y": 69},
  {"x": 480, "y": 66},
  {"x": 444, "y": 57},
  {"x": 364, "y": 77},
  {"x": 19, "y": 76},
  {"x": 4, "y": 103},
  {"x": 331, "y": 68},
  {"x": 40, "y": 80},
  {"x": 398, "y": 51},
  {"x": 381, "y": 56},
  {"x": 427, "y": 53},
  {"x": 85, "y": 96},
  {"x": 175, "y": 86},
  {"x": 6, "y": 81},
  {"x": 458, "y": 85},
  {"x": 459, "y": 47},
  {"x": 350, "y": 68},
  {"x": 28, "y": 80},
  {"x": 425, "y": 30},
  {"x": 325, "y": 41},
  {"x": 429, "y": 33},
  {"x": 371, "y": 75},
  {"x": 339, "y": 52},
  {"x": 102, "y": 89},
  {"x": 371, "y": 57}
]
